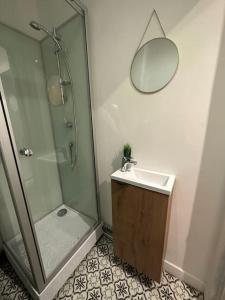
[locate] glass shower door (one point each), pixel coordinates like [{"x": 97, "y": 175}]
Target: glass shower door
[
  {"x": 25, "y": 99},
  {"x": 45, "y": 88},
  {"x": 15, "y": 223},
  {"x": 10, "y": 229}
]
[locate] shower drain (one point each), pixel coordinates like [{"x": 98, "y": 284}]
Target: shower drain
[{"x": 62, "y": 212}]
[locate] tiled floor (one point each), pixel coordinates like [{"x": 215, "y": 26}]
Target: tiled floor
[{"x": 102, "y": 276}]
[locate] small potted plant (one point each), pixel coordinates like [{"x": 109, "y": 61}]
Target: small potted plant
[
  {"x": 127, "y": 152},
  {"x": 127, "y": 161}
]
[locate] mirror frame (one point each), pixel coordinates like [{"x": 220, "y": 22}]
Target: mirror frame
[{"x": 175, "y": 71}]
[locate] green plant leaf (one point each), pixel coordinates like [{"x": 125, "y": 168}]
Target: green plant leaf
[{"x": 127, "y": 151}]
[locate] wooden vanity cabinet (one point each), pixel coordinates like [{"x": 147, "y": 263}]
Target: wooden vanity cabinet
[{"x": 140, "y": 227}]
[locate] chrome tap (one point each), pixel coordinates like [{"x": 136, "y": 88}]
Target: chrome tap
[{"x": 127, "y": 164}]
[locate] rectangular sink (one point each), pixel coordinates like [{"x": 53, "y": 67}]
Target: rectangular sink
[{"x": 154, "y": 181}]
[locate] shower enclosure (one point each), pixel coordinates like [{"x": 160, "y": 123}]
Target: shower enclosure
[{"x": 49, "y": 217}]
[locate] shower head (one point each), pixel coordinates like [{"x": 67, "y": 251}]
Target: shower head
[{"x": 37, "y": 26}]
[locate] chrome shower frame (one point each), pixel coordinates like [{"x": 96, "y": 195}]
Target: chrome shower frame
[{"x": 43, "y": 288}]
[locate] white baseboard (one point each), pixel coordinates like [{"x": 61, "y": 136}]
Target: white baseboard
[{"x": 185, "y": 276}]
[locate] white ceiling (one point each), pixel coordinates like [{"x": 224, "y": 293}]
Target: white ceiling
[{"x": 18, "y": 14}]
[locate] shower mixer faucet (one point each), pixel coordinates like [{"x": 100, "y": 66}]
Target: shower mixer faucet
[{"x": 127, "y": 164}]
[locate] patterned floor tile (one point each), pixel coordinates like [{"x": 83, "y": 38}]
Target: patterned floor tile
[
  {"x": 108, "y": 292},
  {"x": 10, "y": 285},
  {"x": 102, "y": 276}
]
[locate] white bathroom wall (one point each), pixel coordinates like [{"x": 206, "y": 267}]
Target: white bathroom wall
[
  {"x": 166, "y": 129},
  {"x": 207, "y": 227}
]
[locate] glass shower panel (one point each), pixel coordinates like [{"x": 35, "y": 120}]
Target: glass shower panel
[
  {"x": 10, "y": 230},
  {"x": 24, "y": 89},
  {"x": 72, "y": 120},
  {"x": 44, "y": 80}
]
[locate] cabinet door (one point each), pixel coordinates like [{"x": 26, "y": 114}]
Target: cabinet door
[{"x": 139, "y": 227}]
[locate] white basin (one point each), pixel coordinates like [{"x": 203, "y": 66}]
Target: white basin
[{"x": 154, "y": 181}]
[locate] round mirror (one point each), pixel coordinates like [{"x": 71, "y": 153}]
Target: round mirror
[{"x": 154, "y": 65}]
